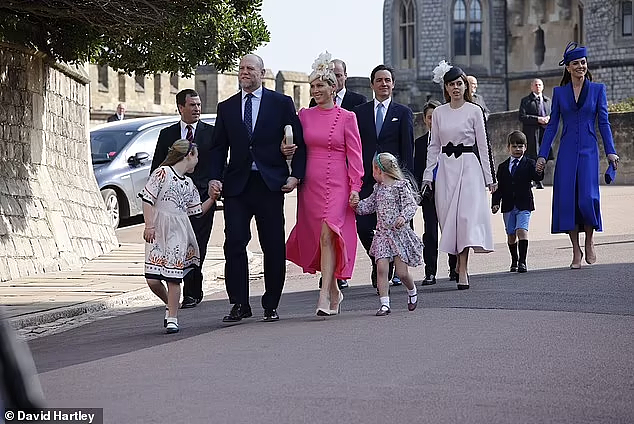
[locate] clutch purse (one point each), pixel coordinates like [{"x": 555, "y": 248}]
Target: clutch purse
[{"x": 610, "y": 174}]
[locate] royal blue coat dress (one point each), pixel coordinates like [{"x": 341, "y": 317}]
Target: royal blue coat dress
[{"x": 576, "y": 183}]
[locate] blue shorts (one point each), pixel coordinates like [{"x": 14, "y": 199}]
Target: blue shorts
[{"x": 516, "y": 220}]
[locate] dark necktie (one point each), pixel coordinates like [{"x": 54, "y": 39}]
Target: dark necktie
[
  {"x": 190, "y": 133},
  {"x": 380, "y": 115},
  {"x": 514, "y": 167},
  {"x": 248, "y": 114}
]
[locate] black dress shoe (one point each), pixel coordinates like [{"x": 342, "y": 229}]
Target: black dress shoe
[
  {"x": 320, "y": 281},
  {"x": 521, "y": 267},
  {"x": 238, "y": 311},
  {"x": 513, "y": 266},
  {"x": 270, "y": 315},
  {"x": 539, "y": 185},
  {"x": 429, "y": 280},
  {"x": 188, "y": 302},
  {"x": 342, "y": 284},
  {"x": 453, "y": 275}
]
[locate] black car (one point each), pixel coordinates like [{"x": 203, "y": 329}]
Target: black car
[{"x": 122, "y": 154}]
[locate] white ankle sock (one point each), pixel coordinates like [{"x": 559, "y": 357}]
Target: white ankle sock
[
  {"x": 385, "y": 301},
  {"x": 413, "y": 294}
]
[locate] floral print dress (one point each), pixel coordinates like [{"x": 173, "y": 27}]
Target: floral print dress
[
  {"x": 174, "y": 251},
  {"x": 389, "y": 202}
]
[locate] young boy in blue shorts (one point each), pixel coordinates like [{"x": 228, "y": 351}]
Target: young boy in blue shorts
[{"x": 514, "y": 190}]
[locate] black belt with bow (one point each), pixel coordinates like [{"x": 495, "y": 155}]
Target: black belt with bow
[{"x": 457, "y": 150}]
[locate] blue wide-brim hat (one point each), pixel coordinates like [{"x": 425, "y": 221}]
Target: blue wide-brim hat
[
  {"x": 572, "y": 52},
  {"x": 452, "y": 74}
]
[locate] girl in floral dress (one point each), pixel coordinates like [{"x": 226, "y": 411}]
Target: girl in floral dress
[
  {"x": 171, "y": 250},
  {"x": 395, "y": 203}
]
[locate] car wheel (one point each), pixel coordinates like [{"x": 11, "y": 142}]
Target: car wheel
[{"x": 112, "y": 206}]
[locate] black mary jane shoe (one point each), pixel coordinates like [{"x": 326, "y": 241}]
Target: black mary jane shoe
[
  {"x": 429, "y": 280},
  {"x": 521, "y": 268},
  {"x": 383, "y": 311}
]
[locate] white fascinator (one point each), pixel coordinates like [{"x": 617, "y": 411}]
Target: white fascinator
[
  {"x": 440, "y": 71},
  {"x": 323, "y": 68}
]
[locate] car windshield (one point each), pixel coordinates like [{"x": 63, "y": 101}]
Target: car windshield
[{"x": 106, "y": 144}]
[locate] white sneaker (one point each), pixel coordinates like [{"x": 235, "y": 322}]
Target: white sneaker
[{"x": 172, "y": 325}]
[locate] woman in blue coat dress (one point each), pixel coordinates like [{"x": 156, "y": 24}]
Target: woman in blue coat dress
[{"x": 579, "y": 103}]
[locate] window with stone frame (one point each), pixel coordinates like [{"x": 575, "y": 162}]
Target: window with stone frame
[
  {"x": 407, "y": 35},
  {"x": 626, "y": 18},
  {"x": 102, "y": 78},
  {"x": 468, "y": 32},
  {"x": 139, "y": 83}
]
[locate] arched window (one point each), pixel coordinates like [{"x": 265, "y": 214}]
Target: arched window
[
  {"x": 407, "y": 31},
  {"x": 467, "y": 28}
]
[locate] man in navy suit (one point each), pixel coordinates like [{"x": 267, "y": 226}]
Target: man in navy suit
[
  {"x": 384, "y": 126},
  {"x": 345, "y": 98},
  {"x": 191, "y": 128},
  {"x": 250, "y": 126}
]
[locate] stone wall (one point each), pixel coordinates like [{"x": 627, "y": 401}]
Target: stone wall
[
  {"x": 500, "y": 125},
  {"x": 52, "y": 215}
]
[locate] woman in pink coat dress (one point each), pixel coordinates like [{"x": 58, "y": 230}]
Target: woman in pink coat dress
[{"x": 325, "y": 236}]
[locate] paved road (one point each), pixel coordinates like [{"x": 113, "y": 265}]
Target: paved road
[{"x": 553, "y": 345}]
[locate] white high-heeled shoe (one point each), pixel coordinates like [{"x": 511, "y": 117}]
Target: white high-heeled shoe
[{"x": 337, "y": 310}]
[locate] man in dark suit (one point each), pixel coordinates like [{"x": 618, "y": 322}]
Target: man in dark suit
[
  {"x": 345, "y": 98},
  {"x": 534, "y": 115},
  {"x": 119, "y": 116},
  {"x": 191, "y": 128},
  {"x": 514, "y": 190},
  {"x": 348, "y": 100},
  {"x": 250, "y": 125},
  {"x": 477, "y": 98},
  {"x": 384, "y": 126}
]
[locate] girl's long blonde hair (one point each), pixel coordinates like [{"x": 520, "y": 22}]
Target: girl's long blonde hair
[
  {"x": 178, "y": 151},
  {"x": 388, "y": 164}
]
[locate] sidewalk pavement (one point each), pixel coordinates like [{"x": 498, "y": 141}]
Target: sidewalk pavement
[
  {"x": 38, "y": 303},
  {"x": 113, "y": 283}
]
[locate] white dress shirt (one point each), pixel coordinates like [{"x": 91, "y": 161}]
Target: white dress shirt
[
  {"x": 511, "y": 162},
  {"x": 339, "y": 96},
  {"x": 386, "y": 104},
  {"x": 184, "y": 129}
]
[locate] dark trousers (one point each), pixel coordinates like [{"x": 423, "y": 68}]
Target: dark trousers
[
  {"x": 430, "y": 239},
  {"x": 193, "y": 280},
  {"x": 268, "y": 208}
]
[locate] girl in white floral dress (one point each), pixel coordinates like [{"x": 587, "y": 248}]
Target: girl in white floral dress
[
  {"x": 395, "y": 204},
  {"x": 171, "y": 250}
]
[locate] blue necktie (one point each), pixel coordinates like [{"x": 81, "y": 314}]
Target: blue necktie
[
  {"x": 514, "y": 167},
  {"x": 248, "y": 114},
  {"x": 380, "y": 114},
  {"x": 542, "y": 109}
]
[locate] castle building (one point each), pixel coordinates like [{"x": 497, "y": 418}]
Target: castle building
[{"x": 505, "y": 44}]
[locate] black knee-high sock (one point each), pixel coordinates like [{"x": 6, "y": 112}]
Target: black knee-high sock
[
  {"x": 513, "y": 250},
  {"x": 523, "y": 246}
]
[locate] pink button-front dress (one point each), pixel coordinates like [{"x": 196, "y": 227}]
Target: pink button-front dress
[{"x": 334, "y": 168}]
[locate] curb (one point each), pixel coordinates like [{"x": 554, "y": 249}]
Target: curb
[{"x": 213, "y": 276}]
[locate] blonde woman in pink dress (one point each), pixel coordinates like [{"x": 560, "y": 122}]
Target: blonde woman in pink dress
[{"x": 325, "y": 235}]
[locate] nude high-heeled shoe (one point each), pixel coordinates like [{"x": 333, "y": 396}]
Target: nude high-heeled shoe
[{"x": 322, "y": 311}]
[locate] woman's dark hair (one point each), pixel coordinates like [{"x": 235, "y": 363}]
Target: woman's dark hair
[
  {"x": 566, "y": 78},
  {"x": 432, "y": 104},
  {"x": 467, "y": 91}
]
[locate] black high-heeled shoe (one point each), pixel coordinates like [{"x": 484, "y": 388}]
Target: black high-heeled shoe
[{"x": 462, "y": 286}]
